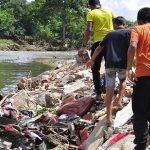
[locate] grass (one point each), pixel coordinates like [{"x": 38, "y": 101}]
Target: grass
[{"x": 5, "y": 41}]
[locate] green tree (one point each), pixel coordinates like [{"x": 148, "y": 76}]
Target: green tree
[
  {"x": 63, "y": 18},
  {"x": 6, "y": 23},
  {"x": 130, "y": 23},
  {"x": 59, "y": 22}
]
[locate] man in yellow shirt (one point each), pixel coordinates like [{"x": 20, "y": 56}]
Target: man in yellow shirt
[{"x": 99, "y": 22}]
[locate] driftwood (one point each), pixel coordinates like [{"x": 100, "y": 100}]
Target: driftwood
[{"x": 3, "y": 100}]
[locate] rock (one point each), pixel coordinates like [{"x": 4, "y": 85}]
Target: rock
[
  {"x": 22, "y": 83},
  {"x": 46, "y": 73},
  {"x": 68, "y": 78},
  {"x": 108, "y": 132},
  {"x": 33, "y": 83},
  {"x": 52, "y": 98},
  {"x": 22, "y": 101},
  {"x": 74, "y": 87},
  {"x": 39, "y": 97},
  {"x": 52, "y": 76},
  {"x": 58, "y": 66},
  {"x": 44, "y": 78}
]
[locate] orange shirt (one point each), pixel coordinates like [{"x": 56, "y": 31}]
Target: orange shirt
[{"x": 141, "y": 35}]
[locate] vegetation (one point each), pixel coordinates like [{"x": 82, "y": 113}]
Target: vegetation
[
  {"x": 3, "y": 41},
  {"x": 60, "y": 22},
  {"x": 57, "y": 22}
]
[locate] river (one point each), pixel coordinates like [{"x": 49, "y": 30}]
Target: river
[{"x": 17, "y": 64}]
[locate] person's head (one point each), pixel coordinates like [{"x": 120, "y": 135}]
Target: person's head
[
  {"x": 94, "y": 4},
  {"x": 119, "y": 22},
  {"x": 143, "y": 16}
]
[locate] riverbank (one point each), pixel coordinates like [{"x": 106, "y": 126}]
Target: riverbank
[
  {"x": 64, "y": 114},
  {"x": 17, "y": 47},
  {"x": 10, "y": 45}
]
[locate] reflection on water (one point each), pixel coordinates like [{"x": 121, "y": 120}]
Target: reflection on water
[{"x": 17, "y": 64}]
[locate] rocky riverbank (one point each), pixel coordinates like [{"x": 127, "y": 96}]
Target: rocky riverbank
[
  {"x": 58, "y": 110},
  {"x": 17, "y": 46}
]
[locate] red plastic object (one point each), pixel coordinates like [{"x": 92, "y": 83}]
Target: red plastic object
[
  {"x": 84, "y": 134},
  {"x": 117, "y": 138},
  {"x": 9, "y": 127}
]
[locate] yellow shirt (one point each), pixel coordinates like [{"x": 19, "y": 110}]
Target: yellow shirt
[{"x": 102, "y": 22}]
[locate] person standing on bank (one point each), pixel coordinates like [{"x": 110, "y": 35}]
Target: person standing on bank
[
  {"x": 116, "y": 44},
  {"x": 140, "y": 48},
  {"x": 99, "y": 21}
]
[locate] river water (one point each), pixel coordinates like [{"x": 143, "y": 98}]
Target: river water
[{"x": 17, "y": 64}]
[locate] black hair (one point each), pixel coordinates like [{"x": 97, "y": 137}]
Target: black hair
[
  {"x": 144, "y": 14},
  {"x": 119, "y": 21},
  {"x": 94, "y": 2}
]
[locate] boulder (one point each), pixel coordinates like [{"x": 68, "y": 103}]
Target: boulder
[
  {"x": 74, "y": 87},
  {"x": 22, "y": 101},
  {"x": 52, "y": 99}
]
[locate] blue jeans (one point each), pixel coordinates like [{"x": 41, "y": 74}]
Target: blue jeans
[{"x": 110, "y": 76}]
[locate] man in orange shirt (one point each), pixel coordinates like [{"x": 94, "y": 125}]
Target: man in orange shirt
[{"x": 140, "y": 48}]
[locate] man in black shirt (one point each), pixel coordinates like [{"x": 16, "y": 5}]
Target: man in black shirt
[{"x": 116, "y": 44}]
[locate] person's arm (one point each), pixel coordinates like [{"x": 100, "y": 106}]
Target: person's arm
[
  {"x": 90, "y": 63},
  {"x": 131, "y": 53},
  {"x": 98, "y": 50},
  {"x": 86, "y": 37},
  {"x": 87, "y": 33}
]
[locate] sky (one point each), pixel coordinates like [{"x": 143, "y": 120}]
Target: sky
[
  {"x": 126, "y": 8},
  {"x": 30, "y": 1}
]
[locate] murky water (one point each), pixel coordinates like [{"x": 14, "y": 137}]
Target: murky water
[{"x": 14, "y": 65}]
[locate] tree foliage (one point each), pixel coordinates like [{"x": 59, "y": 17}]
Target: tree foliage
[{"x": 59, "y": 22}]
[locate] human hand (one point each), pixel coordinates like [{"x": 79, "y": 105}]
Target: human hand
[
  {"x": 131, "y": 76},
  {"x": 90, "y": 63},
  {"x": 81, "y": 51}
]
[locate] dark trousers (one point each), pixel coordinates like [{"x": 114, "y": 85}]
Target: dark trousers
[
  {"x": 141, "y": 110},
  {"x": 96, "y": 68}
]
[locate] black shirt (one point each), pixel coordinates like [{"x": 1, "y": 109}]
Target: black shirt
[{"x": 116, "y": 44}]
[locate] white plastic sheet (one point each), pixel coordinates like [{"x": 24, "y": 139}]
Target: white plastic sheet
[{"x": 123, "y": 115}]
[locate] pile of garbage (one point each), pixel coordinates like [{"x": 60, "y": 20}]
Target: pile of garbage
[{"x": 57, "y": 110}]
